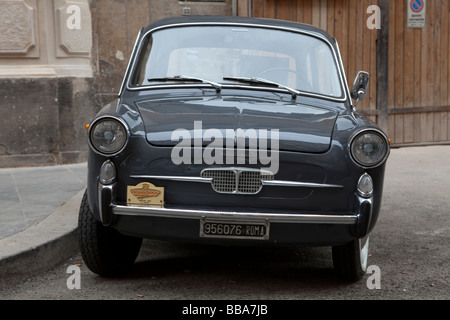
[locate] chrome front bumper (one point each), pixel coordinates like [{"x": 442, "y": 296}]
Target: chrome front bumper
[
  {"x": 233, "y": 216},
  {"x": 108, "y": 211}
]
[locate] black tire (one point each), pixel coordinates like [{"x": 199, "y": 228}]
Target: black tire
[
  {"x": 104, "y": 250},
  {"x": 350, "y": 260}
]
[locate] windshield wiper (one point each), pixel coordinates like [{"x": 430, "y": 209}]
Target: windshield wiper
[
  {"x": 183, "y": 78},
  {"x": 256, "y": 80}
]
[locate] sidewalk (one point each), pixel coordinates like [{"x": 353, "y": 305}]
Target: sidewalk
[{"x": 38, "y": 208}]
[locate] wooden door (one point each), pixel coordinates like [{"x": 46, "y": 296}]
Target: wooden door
[{"x": 414, "y": 93}]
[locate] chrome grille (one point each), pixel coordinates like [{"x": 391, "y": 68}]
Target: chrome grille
[{"x": 237, "y": 180}]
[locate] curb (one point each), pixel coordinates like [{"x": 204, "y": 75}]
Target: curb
[{"x": 42, "y": 246}]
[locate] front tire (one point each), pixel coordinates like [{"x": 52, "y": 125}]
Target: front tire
[
  {"x": 350, "y": 260},
  {"x": 104, "y": 250}
]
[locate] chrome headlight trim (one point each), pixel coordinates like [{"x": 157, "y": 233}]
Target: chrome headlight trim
[
  {"x": 381, "y": 159},
  {"x": 95, "y": 146}
]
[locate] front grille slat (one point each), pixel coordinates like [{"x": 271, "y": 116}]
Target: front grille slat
[
  {"x": 249, "y": 182},
  {"x": 237, "y": 180}
]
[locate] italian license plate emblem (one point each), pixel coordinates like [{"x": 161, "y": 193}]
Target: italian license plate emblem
[{"x": 234, "y": 230}]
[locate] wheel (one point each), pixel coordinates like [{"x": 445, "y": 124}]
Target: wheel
[
  {"x": 104, "y": 250},
  {"x": 350, "y": 260}
]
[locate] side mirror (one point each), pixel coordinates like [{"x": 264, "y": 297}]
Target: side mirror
[{"x": 360, "y": 86}]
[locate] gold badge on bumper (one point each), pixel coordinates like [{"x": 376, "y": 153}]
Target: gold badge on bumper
[{"x": 145, "y": 194}]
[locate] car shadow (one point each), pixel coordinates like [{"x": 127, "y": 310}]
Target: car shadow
[{"x": 207, "y": 265}]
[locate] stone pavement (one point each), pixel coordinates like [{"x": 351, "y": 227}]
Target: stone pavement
[
  {"x": 38, "y": 218},
  {"x": 28, "y": 195}
]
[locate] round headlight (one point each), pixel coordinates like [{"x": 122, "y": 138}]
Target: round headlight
[
  {"x": 369, "y": 148},
  {"x": 108, "y": 135}
]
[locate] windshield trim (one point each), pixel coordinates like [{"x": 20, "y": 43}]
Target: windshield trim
[
  {"x": 139, "y": 46},
  {"x": 134, "y": 54}
]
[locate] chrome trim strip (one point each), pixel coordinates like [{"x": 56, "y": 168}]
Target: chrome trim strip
[
  {"x": 234, "y": 216},
  {"x": 282, "y": 183},
  {"x": 276, "y": 183},
  {"x": 343, "y": 73},
  {"x": 319, "y": 36},
  {"x": 174, "y": 178},
  {"x": 104, "y": 207}
]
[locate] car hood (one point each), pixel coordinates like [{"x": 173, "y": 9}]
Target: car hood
[{"x": 298, "y": 127}]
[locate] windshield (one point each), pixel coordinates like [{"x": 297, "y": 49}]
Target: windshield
[{"x": 291, "y": 59}]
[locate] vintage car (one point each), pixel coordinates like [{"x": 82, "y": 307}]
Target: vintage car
[{"x": 233, "y": 131}]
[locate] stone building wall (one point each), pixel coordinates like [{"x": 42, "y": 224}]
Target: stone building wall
[
  {"x": 61, "y": 61},
  {"x": 46, "y": 81},
  {"x": 117, "y": 23}
]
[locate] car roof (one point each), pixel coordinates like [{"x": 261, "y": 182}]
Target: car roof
[{"x": 264, "y": 22}]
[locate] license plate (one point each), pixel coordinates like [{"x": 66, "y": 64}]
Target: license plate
[{"x": 220, "y": 229}]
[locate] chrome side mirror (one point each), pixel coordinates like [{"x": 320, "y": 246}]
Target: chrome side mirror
[{"x": 360, "y": 86}]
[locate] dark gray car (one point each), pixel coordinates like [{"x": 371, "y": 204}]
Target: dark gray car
[{"x": 233, "y": 131}]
